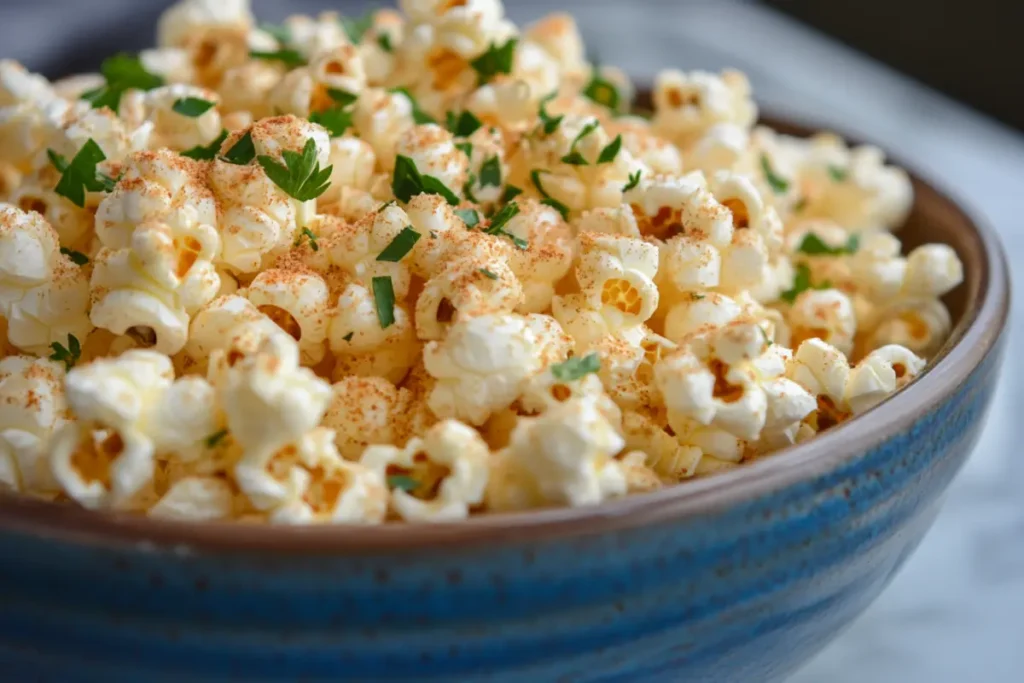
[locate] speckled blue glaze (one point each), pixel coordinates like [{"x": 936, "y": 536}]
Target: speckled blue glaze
[{"x": 744, "y": 594}]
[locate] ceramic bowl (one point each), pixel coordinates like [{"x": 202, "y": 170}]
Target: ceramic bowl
[{"x": 737, "y": 578}]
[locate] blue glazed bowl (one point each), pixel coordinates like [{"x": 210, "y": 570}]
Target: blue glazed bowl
[{"x": 737, "y": 578}]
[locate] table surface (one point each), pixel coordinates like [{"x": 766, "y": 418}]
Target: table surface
[{"x": 954, "y": 613}]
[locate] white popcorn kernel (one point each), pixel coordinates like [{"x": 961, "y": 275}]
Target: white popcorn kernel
[
  {"x": 32, "y": 406},
  {"x": 544, "y": 391},
  {"x": 362, "y": 347},
  {"x": 353, "y": 161},
  {"x": 365, "y": 411},
  {"x": 480, "y": 366},
  {"x": 558, "y": 35},
  {"x": 921, "y": 325},
  {"x": 548, "y": 257},
  {"x": 432, "y": 150},
  {"x": 722, "y": 147},
  {"x": 932, "y": 270},
  {"x": 686, "y": 105},
  {"x": 877, "y": 267},
  {"x": 176, "y": 130},
  {"x": 436, "y": 478},
  {"x": 380, "y": 117},
  {"x": 28, "y": 253},
  {"x": 568, "y": 452},
  {"x": 826, "y": 314},
  {"x": 298, "y": 303},
  {"x": 820, "y": 368},
  {"x": 616, "y": 276},
  {"x": 665, "y": 455},
  {"x": 698, "y": 314},
  {"x": 51, "y": 312},
  {"x": 196, "y": 499},
  {"x": 215, "y": 326}
]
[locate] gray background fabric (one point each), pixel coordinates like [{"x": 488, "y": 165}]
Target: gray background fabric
[{"x": 954, "y": 614}]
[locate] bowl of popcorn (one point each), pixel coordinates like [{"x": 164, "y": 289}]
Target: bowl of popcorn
[{"x": 417, "y": 347}]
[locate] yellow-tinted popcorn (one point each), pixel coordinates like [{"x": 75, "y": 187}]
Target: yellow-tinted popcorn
[{"x": 422, "y": 265}]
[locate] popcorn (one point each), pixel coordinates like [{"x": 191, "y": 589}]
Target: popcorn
[
  {"x": 436, "y": 478},
  {"x": 424, "y": 266}
]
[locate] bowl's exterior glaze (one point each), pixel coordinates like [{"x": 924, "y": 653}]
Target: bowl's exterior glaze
[{"x": 743, "y": 595}]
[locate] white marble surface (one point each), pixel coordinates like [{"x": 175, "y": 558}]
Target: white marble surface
[{"x": 956, "y": 611}]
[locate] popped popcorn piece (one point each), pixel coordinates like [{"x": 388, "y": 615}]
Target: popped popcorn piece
[
  {"x": 32, "y": 407},
  {"x": 879, "y": 374},
  {"x": 367, "y": 411},
  {"x": 686, "y": 105}
]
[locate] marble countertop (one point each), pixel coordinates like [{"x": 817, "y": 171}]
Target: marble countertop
[{"x": 954, "y": 613}]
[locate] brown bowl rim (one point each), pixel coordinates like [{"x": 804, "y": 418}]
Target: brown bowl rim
[{"x": 972, "y": 339}]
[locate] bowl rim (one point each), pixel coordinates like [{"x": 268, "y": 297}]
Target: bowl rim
[{"x": 970, "y": 343}]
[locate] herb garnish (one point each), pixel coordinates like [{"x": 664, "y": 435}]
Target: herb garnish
[
  {"x": 408, "y": 182},
  {"x": 68, "y": 355},
  {"x": 301, "y": 175},
  {"x": 80, "y": 175},
  {"x": 496, "y": 60},
  {"x": 576, "y": 367},
  {"x": 384, "y": 300},
  {"x": 401, "y": 245},
  {"x": 193, "y": 107}
]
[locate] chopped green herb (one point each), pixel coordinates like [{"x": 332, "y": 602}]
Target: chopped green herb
[
  {"x": 576, "y": 367},
  {"x": 548, "y": 199},
  {"x": 69, "y": 354},
  {"x": 697, "y": 297},
  {"x": 390, "y": 202},
  {"x": 213, "y": 439},
  {"x": 336, "y": 120},
  {"x": 242, "y": 152},
  {"x": 778, "y": 184},
  {"x": 465, "y": 147},
  {"x": 764, "y": 335},
  {"x": 549, "y": 122},
  {"x": 419, "y": 116},
  {"x": 800, "y": 205},
  {"x": 281, "y": 34},
  {"x": 801, "y": 283},
  {"x": 610, "y": 151},
  {"x": 496, "y": 60},
  {"x": 301, "y": 175},
  {"x": 206, "y": 152},
  {"x": 77, "y": 257},
  {"x": 815, "y": 246},
  {"x": 287, "y": 56},
  {"x": 490, "y": 172},
  {"x": 498, "y": 221},
  {"x": 192, "y": 107},
  {"x": 121, "y": 72},
  {"x": 602, "y": 91},
  {"x": 348, "y": 337},
  {"x": 634, "y": 180},
  {"x": 469, "y": 216},
  {"x": 384, "y": 40},
  {"x": 488, "y": 273},
  {"x": 384, "y": 300},
  {"x": 80, "y": 175},
  {"x": 511, "y": 192},
  {"x": 401, "y": 245},
  {"x": 838, "y": 174},
  {"x": 467, "y": 188},
  {"x": 306, "y": 233},
  {"x": 357, "y": 28},
  {"x": 462, "y": 125},
  {"x": 342, "y": 97},
  {"x": 407, "y": 182},
  {"x": 403, "y": 482},
  {"x": 574, "y": 158}
]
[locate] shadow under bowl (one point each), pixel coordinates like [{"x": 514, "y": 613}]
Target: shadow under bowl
[{"x": 734, "y": 578}]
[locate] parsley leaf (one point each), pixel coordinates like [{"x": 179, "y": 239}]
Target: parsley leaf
[
  {"x": 419, "y": 116},
  {"x": 357, "y": 28},
  {"x": 192, "y": 107},
  {"x": 511, "y": 192},
  {"x": 549, "y": 122},
  {"x": 384, "y": 300},
  {"x": 488, "y": 273},
  {"x": 342, "y": 97},
  {"x": 576, "y": 367},
  {"x": 801, "y": 283},
  {"x": 778, "y": 184},
  {"x": 80, "y": 175},
  {"x": 496, "y": 60},
  {"x": 469, "y": 216},
  {"x": 764, "y": 335},
  {"x": 401, "y": 245},
  {"x": 462, "y": 125},
  {"x": 498, "y": 221},
  {"x": 407, "y": 182},
  {"x": 306, "y": 233},
  {"x": 403, "y": 482},
  {"x": 68, "y": 355},
  {"x": 634, "y": 180},
  {"x": 465, "y": 147},
  {"x": 610, "y": 151},
  {"x": 287, "y": 56},
  {"x": 301, "y": 175},
  {"x": 602, "y": 91},
  {"x": 207, "y": 152},
  {"x": 242, "y": 152},
  {"x": 336, "y": 120},
  {"x": 213, "y": 439},
  {"x": 815, "y": 246},
  {"x": 384, "y": 40},
  {"x": 348, "y": 337},
  {"x": 77, "y": 257},
  {"x": 838, "y": 174},
  {"x": 548, "y": 199},
  {"x": 490, "y": 172},
  {"x": 121, "y": 72},
  {"x": 574, "y": 158}
]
